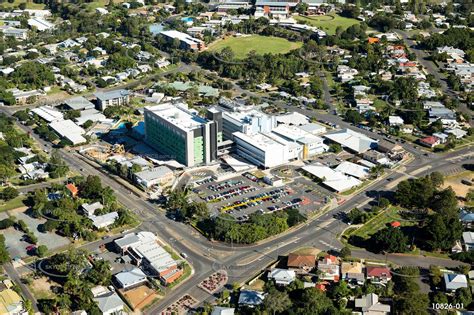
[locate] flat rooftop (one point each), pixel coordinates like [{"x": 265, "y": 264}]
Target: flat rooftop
[
  {"x": 259, "y": 140},
  {"x": 178, "y": 115}
]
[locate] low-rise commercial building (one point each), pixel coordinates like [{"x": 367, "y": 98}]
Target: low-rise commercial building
[
  {"x": 185, "y": 41},
  {"x": 352, "y": 140},
  {"x": 161, "y": 175},
  {"x": 129, "y": 279},
  {"x": 69, "y": 130}
]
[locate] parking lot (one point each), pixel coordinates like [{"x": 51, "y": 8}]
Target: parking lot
[
  {"x": 245, "y": 194},
  {"x": 18, "y": 247}
]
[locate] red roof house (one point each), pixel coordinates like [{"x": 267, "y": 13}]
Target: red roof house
[
  {"x": 379, "y": 274},
  {"x": 430, "y": 141},
  {"x": 395, "y": 224},
  {"x": 73, "y": 189}
]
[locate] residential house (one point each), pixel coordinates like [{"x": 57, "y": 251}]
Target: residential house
[
  {"x": 378, "y": 274},
  {"x": 352, "y": 272},
  {"x": 328, "y": 268},
  {"x": 220, "y": 310},
  {"x": 443, "y": 138},
  {"x": 369, "y": 305},
  {"x": 72, "y": 189},
  {"x": 89, "y": 209},
  {"x": 395, "y": 121},
  {"x": 430, "y": 141},
  {"x": 456, "y": 132},
  {"x": 468, "y": 239},
  {"x": 105, "y": 220},
  {"x": 250, "y": 298},
  {"x": 392, "y": 149},
  {"x": 109, "y": 303},
  {"x": 17, "y": 33},
  {"x": 301, "y": 263},
  {"x": 11, "y": 303},
  {"x": 281, "y": 276},
  {"x": 453, "y": 54},
  {"x": 466, "y": 218},
  {"x": 454, "y": 281},
  {"x": 376, "y": 157},
  {"x": 25, "y": 97}
]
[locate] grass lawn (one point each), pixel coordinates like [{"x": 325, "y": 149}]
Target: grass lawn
[
  {"x": 328, "y": 23},
  {"x": 12, "y": 204},
  {"x": 380, "y": 221},
  {"x": 241, "y": 46},
  {"x": 29, "y": 5}
]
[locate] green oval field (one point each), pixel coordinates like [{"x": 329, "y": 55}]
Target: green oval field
[{"x": 241, "y": 46}]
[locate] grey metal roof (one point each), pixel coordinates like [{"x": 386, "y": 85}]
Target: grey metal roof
[
  {"x": 78, "y": 103},
  {"x": 104, "y": 96}
]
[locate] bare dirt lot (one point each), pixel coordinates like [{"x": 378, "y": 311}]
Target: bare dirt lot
[
  {"x": 455, "y": 182},
  {"x": 140, "y": 296},
  {"x": 41, "y": 288}
]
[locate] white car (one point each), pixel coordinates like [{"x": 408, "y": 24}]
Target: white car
[{"x": 184, "y": 255}]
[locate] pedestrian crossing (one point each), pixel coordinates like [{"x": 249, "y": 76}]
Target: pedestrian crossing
[
  {"x": 453, "y": 171},
  {"x": 329, "y": 246}
]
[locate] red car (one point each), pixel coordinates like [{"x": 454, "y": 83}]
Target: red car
[{"x": 30, "y": 248}]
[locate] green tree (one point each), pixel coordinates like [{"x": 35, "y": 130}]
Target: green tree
[
  {"x": 345, "y": 252},
  {"x": 41, "y": 250},
  {"x": 413, "y": 303},
  {"x": 9, "y": 193},
  {"x": 463, "y": 296},
  {"x": 277, "y": 301},
  {"x": 442, "y": 231},
  {"x": 390, "y": 239}
]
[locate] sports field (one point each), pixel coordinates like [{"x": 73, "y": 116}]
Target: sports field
[
  {"x": 241, "y": 46},
  {"x": 328, "y": 23}
]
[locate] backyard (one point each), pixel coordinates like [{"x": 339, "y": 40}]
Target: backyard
[
  {"x": 328, "y": 23},
  {"x": 242, "y": 45}
]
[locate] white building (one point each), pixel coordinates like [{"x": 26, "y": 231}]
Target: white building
[
  {"x": 40, "y": 24},
  {"x": 105, "y": 220},
  {"x": 48, "y": 113},
  {"x": 354, "y": 170},
  {"x": 69, "y": 130},
  {"x": 264, "y": 150},
  {"x": 160, "y": 175},
  {"x": 335, "y": 180},
  {"x": 282, "y": 276},
  {"x": 352, "y": 140},
  {"x": 312, "y": 145},
  {"x": 130, "y": 278},
  {"x": 247, "y": 122}
]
